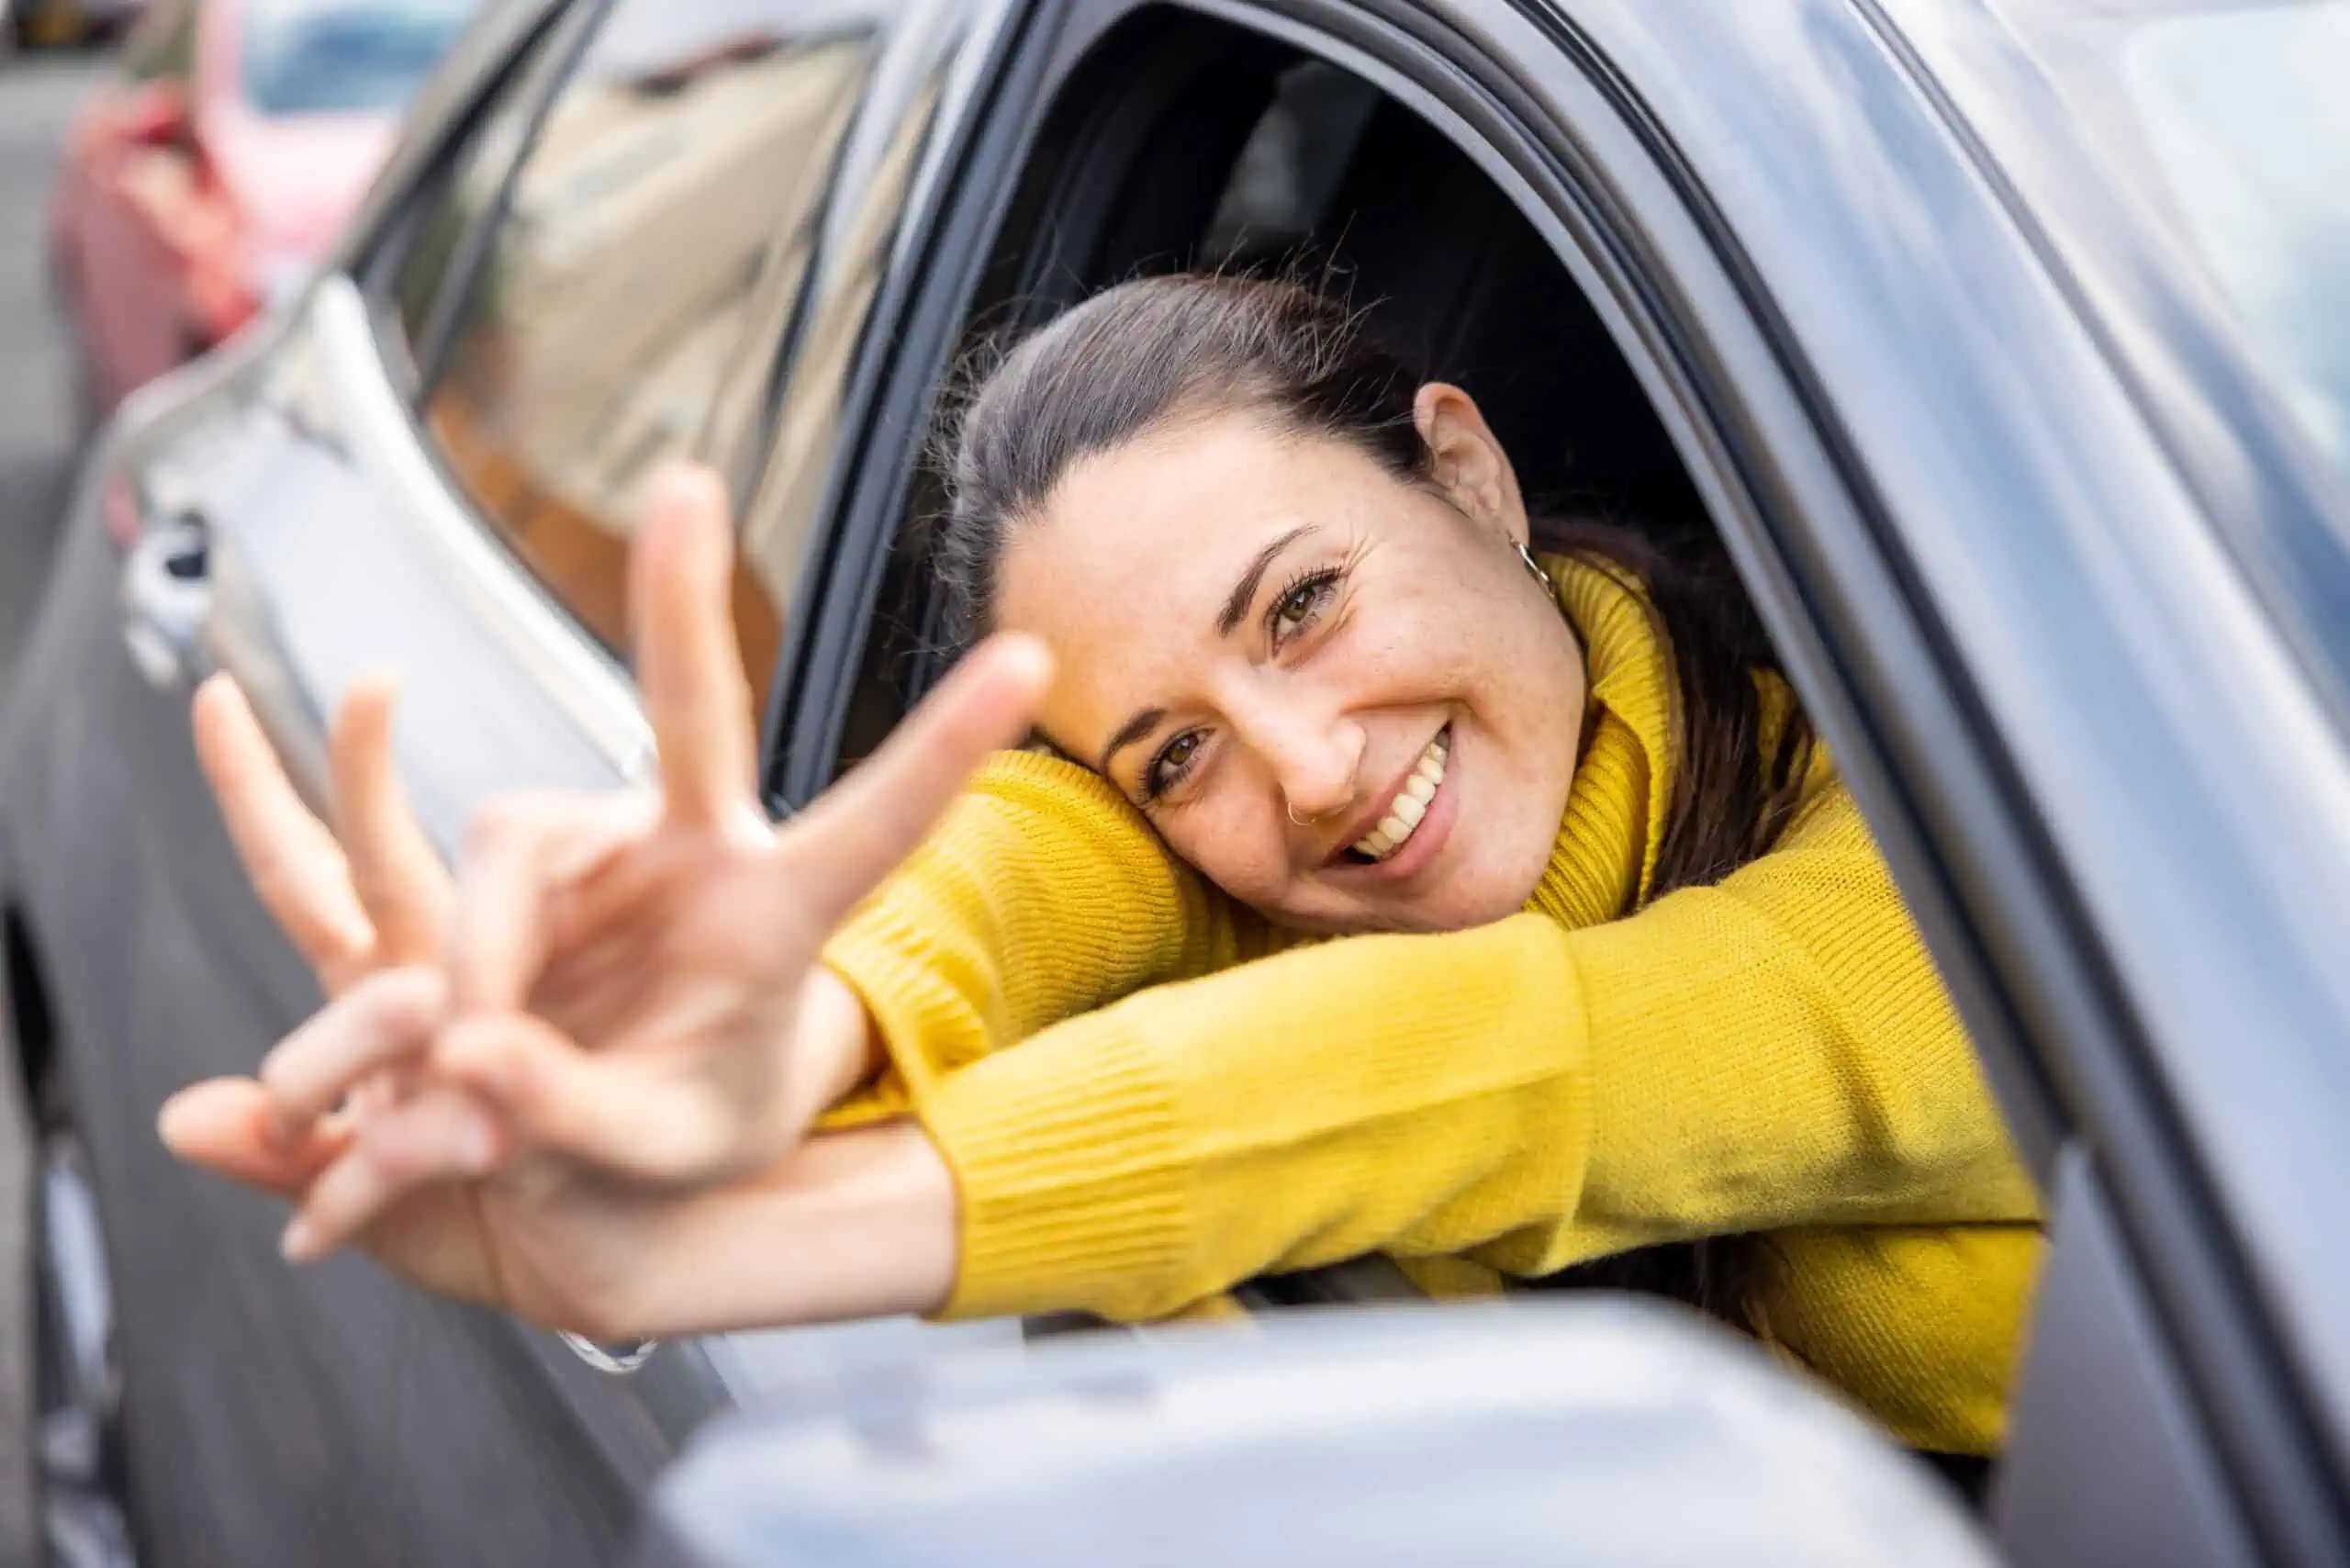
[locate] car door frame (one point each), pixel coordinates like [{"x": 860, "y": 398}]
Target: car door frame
[{"x": 1831, "y": 568}]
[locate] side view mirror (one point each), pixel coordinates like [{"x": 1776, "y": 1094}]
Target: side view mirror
[{"x": 1601, "y": 1432}]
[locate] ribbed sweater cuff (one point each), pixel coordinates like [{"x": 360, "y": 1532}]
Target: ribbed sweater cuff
[{"x": 1064, "y": 1157}]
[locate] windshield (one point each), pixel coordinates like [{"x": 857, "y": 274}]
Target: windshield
[
  {"x": 2246, "y": 113},
  {"x": 305, "y": 57}
]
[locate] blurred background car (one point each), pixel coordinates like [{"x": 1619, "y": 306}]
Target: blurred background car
[
  {"x": 31, "y": 24},
  {"x": 205, "y": 183}
]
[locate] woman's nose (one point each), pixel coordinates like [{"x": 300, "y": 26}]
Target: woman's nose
[{"x": 1314, "y": 763}]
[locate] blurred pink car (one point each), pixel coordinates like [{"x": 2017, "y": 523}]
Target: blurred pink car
[{"x": 206, "y": 182}]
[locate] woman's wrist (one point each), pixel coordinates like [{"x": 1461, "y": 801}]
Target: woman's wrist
[{"x": 851, "y": 1224}]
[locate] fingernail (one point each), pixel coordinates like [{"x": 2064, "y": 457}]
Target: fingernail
[
  {"x": 477, "y": 1148},
  {"x": 300, "y": 1242}
]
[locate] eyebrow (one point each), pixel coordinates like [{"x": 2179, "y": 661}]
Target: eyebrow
[{"x": 1245, "y": 590}]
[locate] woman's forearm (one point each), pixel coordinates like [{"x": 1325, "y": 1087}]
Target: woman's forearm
[
  {"x": 1774, "y": 1051},
  {"x": 855, "y": 1224}
]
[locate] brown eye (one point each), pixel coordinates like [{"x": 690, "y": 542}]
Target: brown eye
[
  {"x": 1174, "y": 760},
  {"x": 1299, "y": 604}
]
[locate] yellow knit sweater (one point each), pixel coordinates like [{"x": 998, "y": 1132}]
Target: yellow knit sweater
[{"x": 1197, "y": 1099}]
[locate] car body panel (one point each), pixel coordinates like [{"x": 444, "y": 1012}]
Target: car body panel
[
  {"x": 132, "y": 218},
  {"x": 297, "y": 179},
  {"x": 1568, "y": 1431},
  {"x": 300, "y": 1377}
]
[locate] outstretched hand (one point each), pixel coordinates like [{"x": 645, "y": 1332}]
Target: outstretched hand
[{"x": 618, "y": 1005}]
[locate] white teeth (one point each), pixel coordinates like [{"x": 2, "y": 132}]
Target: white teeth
[{"x": 1405, "y": 812}]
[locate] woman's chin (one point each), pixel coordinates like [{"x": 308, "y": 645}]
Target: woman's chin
[{"x": 1472, "y": 885}]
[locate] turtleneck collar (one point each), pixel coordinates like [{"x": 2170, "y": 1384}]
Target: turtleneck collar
[{"x": 1605, "y": 858}]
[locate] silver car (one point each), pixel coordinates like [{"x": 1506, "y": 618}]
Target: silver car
[{"x": 2003, "y": 340}]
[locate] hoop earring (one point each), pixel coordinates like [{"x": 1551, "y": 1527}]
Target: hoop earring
[{"x": 1535, "y": 566}]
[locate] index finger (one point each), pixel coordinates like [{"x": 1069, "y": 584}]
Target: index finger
[
  {"x": 857, "y": 832},
  {"x": 688, "y": 665},
  {"x": 294, "y": 862},
  {"x": 401, "y": 885}
]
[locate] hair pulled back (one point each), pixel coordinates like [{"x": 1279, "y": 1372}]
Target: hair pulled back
[{"x": 1145, "y": 356}]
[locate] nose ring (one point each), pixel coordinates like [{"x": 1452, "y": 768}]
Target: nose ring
[{"x": 1301, "y": 822}]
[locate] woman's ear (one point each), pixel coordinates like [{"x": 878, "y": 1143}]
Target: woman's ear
[{"x": 1467, "y": 460}]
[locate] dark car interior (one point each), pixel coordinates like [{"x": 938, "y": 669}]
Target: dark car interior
[{"x": 1185, "y": 143}]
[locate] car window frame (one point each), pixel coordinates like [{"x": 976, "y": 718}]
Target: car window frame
[
  {"x": 1376, "y": 40},
  {"x": 556, "y": 51},
  {"x": 1778, "y": 447},
  {"x": 563, "y": 31},
  {"x": 989, "y": 58}
]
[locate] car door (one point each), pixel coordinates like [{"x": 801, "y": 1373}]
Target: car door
[{"x": 430, "y": 463}]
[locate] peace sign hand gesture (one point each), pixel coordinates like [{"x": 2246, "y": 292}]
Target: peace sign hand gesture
[{"x": 630, "y": 987}]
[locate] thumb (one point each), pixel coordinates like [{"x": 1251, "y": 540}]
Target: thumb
[{"x": 231, "y": 1127}]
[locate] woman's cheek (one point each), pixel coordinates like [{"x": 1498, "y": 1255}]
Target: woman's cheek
[{"x": 1235, "y": 850}]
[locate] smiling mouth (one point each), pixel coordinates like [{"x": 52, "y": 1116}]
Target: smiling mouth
[{"x": 1408, "y": 808}]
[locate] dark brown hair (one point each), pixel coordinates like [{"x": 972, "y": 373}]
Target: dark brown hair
[{"x": 1131, "y": 358}]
